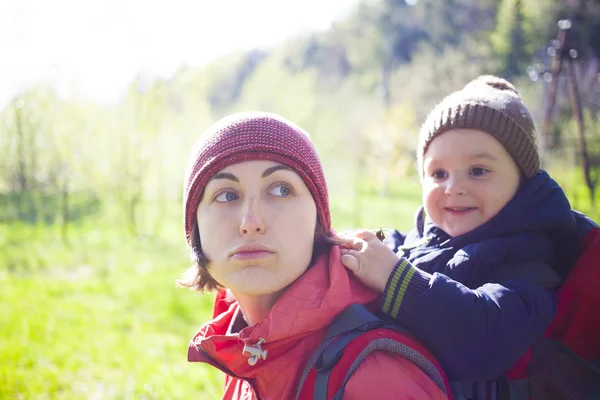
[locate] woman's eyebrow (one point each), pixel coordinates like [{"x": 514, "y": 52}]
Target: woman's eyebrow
[
  {"x": 274, "y": 168},
  {"x": 225, "y": 175}
]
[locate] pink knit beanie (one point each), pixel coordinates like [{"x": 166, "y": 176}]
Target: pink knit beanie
[{"x": 252, "y": 136}]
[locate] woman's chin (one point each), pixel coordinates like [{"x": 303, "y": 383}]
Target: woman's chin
[
  {"x": 259, "y": 282},
  {"x": 257, "y": 286}
]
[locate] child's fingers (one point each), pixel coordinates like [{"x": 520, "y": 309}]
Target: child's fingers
[
  {"x": 345, "y": 240},
  {"x": 350, "y": 262},
  {"x": 348, "y": 240},
  {"x": 366, "y": 235},
  {"x": 352, "y": 243},
  {"x": 351, "y": 252}
]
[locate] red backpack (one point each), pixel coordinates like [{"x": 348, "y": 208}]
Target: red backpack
[
  {"x": 565, "y": 363},
  {"x": 354, "y": 335}
]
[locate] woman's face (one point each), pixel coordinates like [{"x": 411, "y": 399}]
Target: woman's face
[{"x": 257, "y": 224}]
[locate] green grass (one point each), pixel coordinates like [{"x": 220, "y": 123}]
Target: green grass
[
  {"x": 572, "y": 182},
  {"x": 99, "y": 319},
  {"x": 394, "y": 209},
  {"x": 98, "y": 338}
]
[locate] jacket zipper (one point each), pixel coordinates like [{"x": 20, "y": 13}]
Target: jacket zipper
[
  {"x": 255, "y": 352},
  {"x": 227, "y": 371}
]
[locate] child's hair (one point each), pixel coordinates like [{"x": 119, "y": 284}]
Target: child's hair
[{"x": 492, "y": 105}]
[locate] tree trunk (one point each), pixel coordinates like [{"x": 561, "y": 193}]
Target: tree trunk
[
  {"x": 33, "y": 186},
  {"x": 66, "y": 214},
  {"x": 556, "y": 67},
  {"x": 581, "y": 144},
  {"x": 23, "y": 185}
]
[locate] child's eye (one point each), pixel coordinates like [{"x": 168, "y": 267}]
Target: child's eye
[
  {"x": 479, "y": 171},
  {"x": 280, "y": 190},
  {"x": 226, "y": 197},
  {"x": 439, "y": 174}
]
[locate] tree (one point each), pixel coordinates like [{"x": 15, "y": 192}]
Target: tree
[
  {"x": 136, "y": 156},
  {"x": 228, "y": 78},
  {"x": 28, "y": 164},
  {"x": 509, "y": 40},
  {"x": 431, "y": 76}
]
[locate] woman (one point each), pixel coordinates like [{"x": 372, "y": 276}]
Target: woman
[{"x": 257, "y": 223}]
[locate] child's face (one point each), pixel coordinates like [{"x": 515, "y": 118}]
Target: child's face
[{"x": 468, "y": 177}]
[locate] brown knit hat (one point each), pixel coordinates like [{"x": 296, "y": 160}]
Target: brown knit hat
[
  {"x": 492, "y": 105},
  {"x": 252, "y": 136}
]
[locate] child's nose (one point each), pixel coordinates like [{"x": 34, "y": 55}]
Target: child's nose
[{"x": 455, "y": 186}]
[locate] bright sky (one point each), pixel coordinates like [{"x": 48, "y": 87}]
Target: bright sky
[{"x": 95, "y": 48}]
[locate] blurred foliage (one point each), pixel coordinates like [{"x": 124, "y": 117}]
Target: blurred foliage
[
  {"x": 509, "y": 40},
  {"x": 90, "y": 218},
  {"x": 368, "y": 82}
]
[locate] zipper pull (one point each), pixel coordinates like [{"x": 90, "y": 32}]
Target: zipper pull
[{"x": 255, "y": 352}]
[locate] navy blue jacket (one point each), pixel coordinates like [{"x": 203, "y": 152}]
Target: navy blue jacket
[{"x": 479, "y": 301}]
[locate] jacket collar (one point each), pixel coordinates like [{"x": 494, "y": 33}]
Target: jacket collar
[{"x": 307, "y": 307}]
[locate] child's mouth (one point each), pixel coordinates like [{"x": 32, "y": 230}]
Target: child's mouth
[{"x": 459, "y": 210}]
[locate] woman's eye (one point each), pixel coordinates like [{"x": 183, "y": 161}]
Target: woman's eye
[
  {"x": 439, "y": 174},
  {"x": 226, "y": 197},
  {"x": 280, "y": 190},
  {"x": 479, "y": 171}
]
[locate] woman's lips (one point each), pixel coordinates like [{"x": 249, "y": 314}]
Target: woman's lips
[
  {"x": 251, "y": 255},
  {"x": 251, "y": 251}
]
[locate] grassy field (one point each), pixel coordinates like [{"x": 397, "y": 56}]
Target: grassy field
[
  {"x": 100, "y": 320},
  {"x": 99, "y": 317}
]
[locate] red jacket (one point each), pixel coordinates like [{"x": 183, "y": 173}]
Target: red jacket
[{"x": 292, "y": 331}]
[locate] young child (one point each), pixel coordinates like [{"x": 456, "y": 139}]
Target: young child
[{"x": 475, "y": 279}]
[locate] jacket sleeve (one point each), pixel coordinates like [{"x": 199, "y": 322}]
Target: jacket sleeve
[
  {"x": 476, "y": 334},
  {"x": 388, "y": 376}
]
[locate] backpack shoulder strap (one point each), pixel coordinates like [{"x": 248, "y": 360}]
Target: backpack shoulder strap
[
  {"x": 353, "y": 321},
  {"x": 352, "y": 337}
]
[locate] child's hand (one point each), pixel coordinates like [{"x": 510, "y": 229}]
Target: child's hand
[{"x": 368, "y": 258}]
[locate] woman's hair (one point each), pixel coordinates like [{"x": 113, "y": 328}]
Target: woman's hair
[{"x": 197, "y": 277}]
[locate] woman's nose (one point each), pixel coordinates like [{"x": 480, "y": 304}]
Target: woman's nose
[{"x": 251, "y": 220}]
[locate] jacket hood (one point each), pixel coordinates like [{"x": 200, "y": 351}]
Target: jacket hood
[{"x": 291, "y": 331}]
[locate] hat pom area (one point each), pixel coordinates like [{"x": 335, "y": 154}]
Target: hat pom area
[{"x": 493, "y": 82}]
